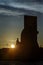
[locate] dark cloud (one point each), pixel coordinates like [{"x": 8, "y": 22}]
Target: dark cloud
[
  {"x": 20, "y": 1},
  {"x": 21, "y": 6}
]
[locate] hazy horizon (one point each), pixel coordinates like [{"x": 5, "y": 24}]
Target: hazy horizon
[{"x": 10, "y": 29}]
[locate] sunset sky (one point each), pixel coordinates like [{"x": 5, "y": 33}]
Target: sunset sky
[
  {"x": 10, "y": 29},
  {"x": 12, "y": 19}
]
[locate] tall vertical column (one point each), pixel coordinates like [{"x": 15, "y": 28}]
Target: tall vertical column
[{"x": 29, "y": 34}]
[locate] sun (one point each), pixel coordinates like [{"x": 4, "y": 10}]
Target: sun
[{"x": 12, "y": 46}]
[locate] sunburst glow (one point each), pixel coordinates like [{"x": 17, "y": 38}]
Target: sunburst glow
[{"x": 12, "y": 46}]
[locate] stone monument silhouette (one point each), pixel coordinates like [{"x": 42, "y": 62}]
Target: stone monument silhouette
[{"x": 29, "y": 37}]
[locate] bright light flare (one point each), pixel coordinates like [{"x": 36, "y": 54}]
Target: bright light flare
[{"x": 12, "y": 46}]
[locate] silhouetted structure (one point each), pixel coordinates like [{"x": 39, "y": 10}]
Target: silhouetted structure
[
  {"x": 17, "y": 41},
  {"x": 28, "y": 47},
  {"x": 29, "y": 33},
  {"x": 29, "y": 37}
]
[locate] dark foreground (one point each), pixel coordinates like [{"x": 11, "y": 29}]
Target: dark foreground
[
  {"x": 6, "y": 59},
  {"x": 20, "y": 63}
]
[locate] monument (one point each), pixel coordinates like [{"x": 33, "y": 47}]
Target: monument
[{"x": 29, "y": 44}]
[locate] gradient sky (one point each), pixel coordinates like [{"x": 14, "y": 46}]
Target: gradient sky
[
  {"x": 10, "y": 29},
  {"x": 11, "y": 21}
]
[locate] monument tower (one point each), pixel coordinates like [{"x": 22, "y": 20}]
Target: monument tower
[
  {"x": 29, "y": 45},
  {"x": 29, "y": 35}
]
